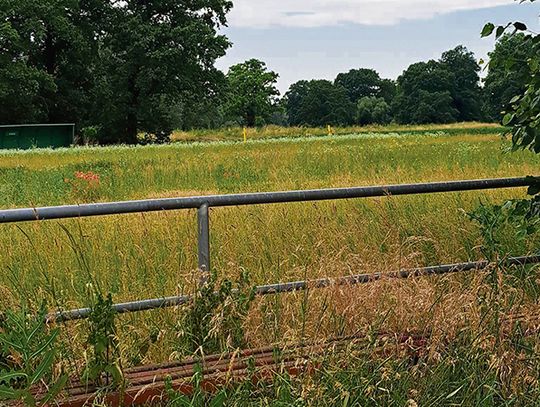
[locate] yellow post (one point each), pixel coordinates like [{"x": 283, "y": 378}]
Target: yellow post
[
  {"x": 330, "y": 131},
  {"x": 245, "y": 134}
]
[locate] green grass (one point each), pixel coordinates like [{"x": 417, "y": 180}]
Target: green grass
[
  {"x": 273, "y": 132},
  {"x": 150, "y": 255}
]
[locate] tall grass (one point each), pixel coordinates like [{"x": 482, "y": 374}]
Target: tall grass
[
  {"x": 151, "y": 255},
  {"x": 271, "y": 132}
]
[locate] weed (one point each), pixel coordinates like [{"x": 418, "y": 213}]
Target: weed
[
  {"x": 28, "y": 350},
  {"x": 213, "y": 321},
  {"x": 198, "y": 398},
  {"x": 104, "y": 366},
  {"x": 84, "y": 186}
]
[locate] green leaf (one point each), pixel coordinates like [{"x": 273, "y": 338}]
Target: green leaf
[
  {"x": 8, "y": 393},
  {"x": 488, "y": 29},
  {"x": 7, "y": 377},
  {"x": 43, "y": 368},
  {"x": 46, "y": 344},
  {"x": 500, "y": 31},
  {"x": 55, "y": 389},
  {"x": 219, "y": 399},
  {"x": 515, "y": 99},
  {"x": 507, "y": 119}
]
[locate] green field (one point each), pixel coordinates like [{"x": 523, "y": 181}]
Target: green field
[{"x": 154, "y": 254}]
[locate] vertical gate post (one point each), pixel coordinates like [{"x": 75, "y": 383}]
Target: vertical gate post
[{"x": 204, "y": 242}]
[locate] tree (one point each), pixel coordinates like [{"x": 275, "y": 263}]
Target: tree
[
  {"x": 372, "y": 110},
  {"x": 45, "y": 52},
  {"x": 508, "y": 73},
  {"x": 124, "y": 66},
  {"x": 363, "y": 82},
  {"x": 360, "y": 83},
  {"x": 523, "y": 115},
  {"x": 440, "y": 91},
  {"x": 465, "y": 84},
  {"x": 251, "y": 91},
  {"x": 318, "y": 103},
  {"x": 387, "y": 90},
  {"x": 424, "y": 96},
  {"x": 157, "y": 55}
]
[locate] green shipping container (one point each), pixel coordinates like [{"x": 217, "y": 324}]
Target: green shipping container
[{"x": 26, "y": 136}]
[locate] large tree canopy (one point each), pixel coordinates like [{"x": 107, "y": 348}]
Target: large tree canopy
[
  {"x": 251, "y": 92},
  {"x": 318, "y": 103},
  {"x": 359, "y": 83},
  {"x": 465, "y": 83},
  {"x": 440, "y": 91},
  {"x": 126, "y": 66},
  {"x": 424, "y": 94},
  {"x": 46, "y": 51}
]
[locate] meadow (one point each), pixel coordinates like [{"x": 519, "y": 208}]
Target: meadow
[{"x": 154, "y": 254}]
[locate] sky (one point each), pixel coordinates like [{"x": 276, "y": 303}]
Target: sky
[{"x": 317, "y": 39}]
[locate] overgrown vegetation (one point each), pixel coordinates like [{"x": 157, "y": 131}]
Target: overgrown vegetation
[
  {"x": 28, "y": 357},
  {"x": 104, "y": 366},
  {"x": 153, "y": 255},
  {"x": 213, "y": 321}
]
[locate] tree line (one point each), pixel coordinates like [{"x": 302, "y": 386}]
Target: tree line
[
  {"x": 122, "y": 69},
  {"x": 437, "y": 91}
]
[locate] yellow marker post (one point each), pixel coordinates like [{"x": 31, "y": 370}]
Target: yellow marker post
[
  {"x": 245, "y": 135},
  {"x": 330, "y": 131}
]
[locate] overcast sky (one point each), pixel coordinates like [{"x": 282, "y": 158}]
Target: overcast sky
[{"x": 308, "y": 39}]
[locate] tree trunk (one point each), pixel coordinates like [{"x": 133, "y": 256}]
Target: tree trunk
[
  {"x": 50, "y": 53},
  {"x": 131, "y": 117},
  {"x": 250, "y": 117}
]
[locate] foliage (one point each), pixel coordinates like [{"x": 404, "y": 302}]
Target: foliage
[
  {"x": 508, "y": 73},
  {"x": 423, "y": 95},
  {"x": 523, "y": 112},
  {"x": 123, "y": 66},
  {"x": 442, "y": 91},
  {"x": 372, "y": 110},
  {"x": 465, "y": 83},
  {"x": 27, "y": 356},
  {"x": 318, "y": 103},
  {"x": 251, "y": 91},
  {"x": 104, "y": 367},
  {"x": 363, "y": 82},
  {"x": 213, "y": 321}
]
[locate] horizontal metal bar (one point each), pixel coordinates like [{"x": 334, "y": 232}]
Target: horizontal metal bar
[
  {"x": 115, "y": 208},
  {"x": 301, "y": 285}
]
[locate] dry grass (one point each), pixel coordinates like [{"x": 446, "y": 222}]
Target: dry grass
[{"x": 151, "y": 255}]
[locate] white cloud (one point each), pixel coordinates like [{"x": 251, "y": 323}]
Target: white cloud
[{"x": 316, "y": 13}]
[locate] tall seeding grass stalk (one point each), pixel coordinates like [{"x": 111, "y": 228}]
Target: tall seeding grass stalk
[{"x": 477, "y": 350}]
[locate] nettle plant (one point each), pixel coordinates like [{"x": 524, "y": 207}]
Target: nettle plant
[{"x": 104, "y": 366}]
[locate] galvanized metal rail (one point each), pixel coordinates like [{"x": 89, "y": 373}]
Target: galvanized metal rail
[
  {"x": 204, "y": 203},
  {"x": 292, "y": 286}
]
